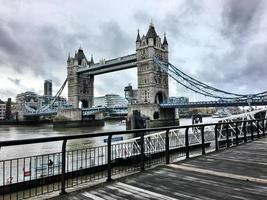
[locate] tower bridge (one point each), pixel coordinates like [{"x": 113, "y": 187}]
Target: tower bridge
[
  {"x": 153, "y": 70},
  {"x": 153, "y": 85}
]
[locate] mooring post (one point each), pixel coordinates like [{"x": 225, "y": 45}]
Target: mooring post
[
  {"x": 63, "y": 168},
  {"x": 167, "y": 147}
]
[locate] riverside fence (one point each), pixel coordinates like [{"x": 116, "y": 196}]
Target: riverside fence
[{"x": 30, "y": 176}]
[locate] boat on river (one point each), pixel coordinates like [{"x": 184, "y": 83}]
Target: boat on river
[{"x": 221, "y": 113}]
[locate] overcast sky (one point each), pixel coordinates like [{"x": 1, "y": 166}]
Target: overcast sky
[{"x": 222, "y": 43}]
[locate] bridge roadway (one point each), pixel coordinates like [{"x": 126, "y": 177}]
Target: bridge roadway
[
  {"x": 200, "y": 104},
  {"x": 236, "y": 173},
  {"x": 120, "y": 63}
]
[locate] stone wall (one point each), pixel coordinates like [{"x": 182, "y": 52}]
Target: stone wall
[{"x": 69, "y": 115}]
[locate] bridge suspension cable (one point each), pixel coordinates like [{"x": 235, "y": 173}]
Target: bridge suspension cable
[
  {"x": 202, "y": 88},
  {"x": 56, "y": 96}
]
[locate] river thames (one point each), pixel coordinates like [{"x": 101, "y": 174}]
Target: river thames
[{"x": 25, "y": 132}]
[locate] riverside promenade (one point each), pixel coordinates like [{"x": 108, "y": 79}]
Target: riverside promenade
[{"x": 235, "y": 173}]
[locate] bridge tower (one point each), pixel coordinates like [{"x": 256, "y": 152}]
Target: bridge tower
[
  {"x": 153, "y": 86},
  {"x": 153, "y": 83},
  {"x": 80, "y": 86}
]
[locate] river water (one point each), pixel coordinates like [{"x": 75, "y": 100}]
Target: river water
[{"x": 25, "y": 132}]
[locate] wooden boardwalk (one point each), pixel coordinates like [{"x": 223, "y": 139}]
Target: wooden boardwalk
[{"x": 235, "y": 173}]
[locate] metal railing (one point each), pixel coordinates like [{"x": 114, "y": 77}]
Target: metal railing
[{"x": 30, "y": 176}]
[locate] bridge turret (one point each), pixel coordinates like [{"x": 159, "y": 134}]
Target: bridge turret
[
  {"x": 68, "y": 61},
  {"x": 165, "y": 42},
  {"x": 138, "y": 40},
  {"x": 152, "y": 82},
  {"x": 80, "y": 57},
  {"x": 92, "y": 60},
  {"x": 151, "y": 35}
]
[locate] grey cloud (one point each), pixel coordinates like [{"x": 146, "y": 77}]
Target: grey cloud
[
  {"x": 43, "y": 47},
  {"x": 245, "y": 70},
  {"x": 141, "y": 16},
  {"x": 240, "y": 64},
  {"x": 114, "y": 41},
  {"x": 239, "y": 17},
  {"x": 243, "y": 65},
  {"x": 16, "y": 81},
  {"x": 4, "y": 93},
  {"x": 178, "y": 21}
]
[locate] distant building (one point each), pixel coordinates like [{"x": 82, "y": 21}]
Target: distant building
[
  {"x": 130, "y": 94},
  {"x": 110, "y": 100},
  {"x": 48, "y": 87},
  {"x": 27, "y": 97},
  {"x": 2, "y": 110},
  {"x": 30, "y": 99},
  {"x": 8, "y": 109},
  {"x": 100, "y": 101}
]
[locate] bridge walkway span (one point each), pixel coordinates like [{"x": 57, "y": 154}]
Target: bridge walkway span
[{"x": 235, "y": 173}]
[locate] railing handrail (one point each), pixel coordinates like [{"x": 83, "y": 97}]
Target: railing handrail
[{"x": 111, "y": 133}]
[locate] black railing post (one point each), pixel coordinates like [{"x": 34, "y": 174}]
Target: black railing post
[
  {"x": 236, "y": 134},
  {"x": 258, "y": 129},
  {"x": 63, "y": 168},
  {"x": 167, "y": 147},
  {"x": 251, "y": 130},
  {"x": 109, "y": 159},
  {"x": 227, "y": 136},
  {"x": 216, "y": 138},
  {"x": 245, "y": 131},
  {"x": 142, "y": 152},
  {"x": 186, "y": 143},
  {"x": 263, "y": 128},
  {"x": 203, "y": 140}
]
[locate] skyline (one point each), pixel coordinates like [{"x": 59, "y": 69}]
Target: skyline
[{"x": 206, "y": 38}]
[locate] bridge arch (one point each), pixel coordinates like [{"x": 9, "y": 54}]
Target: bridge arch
[
  {"x": 160, "y": 97},
  {"x": 83, "y": 104}
]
